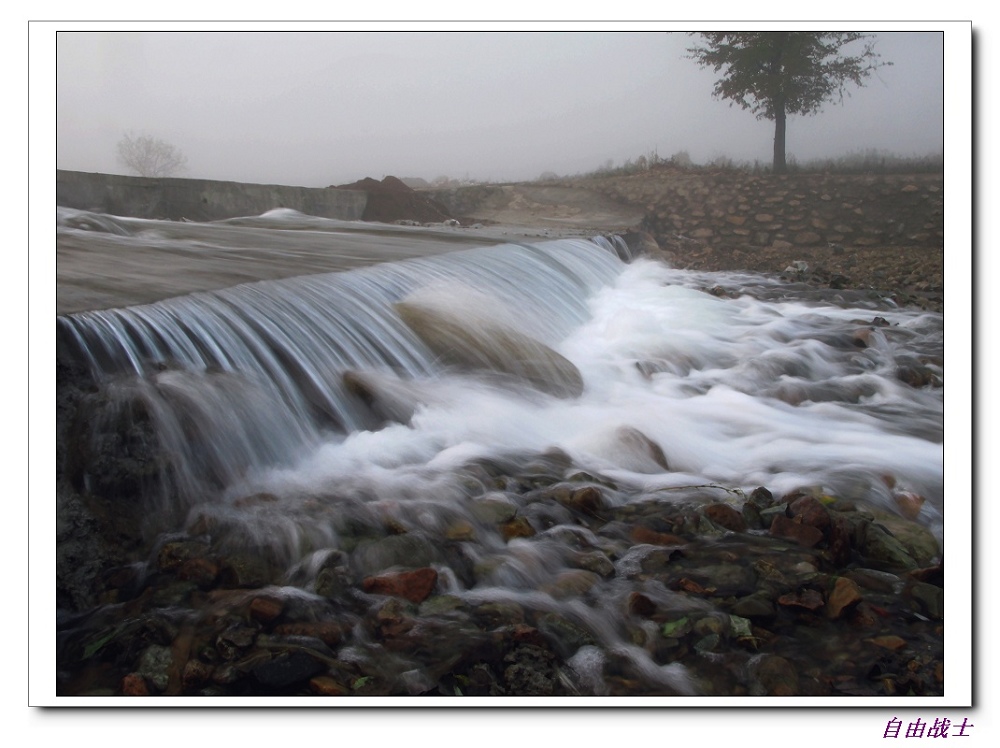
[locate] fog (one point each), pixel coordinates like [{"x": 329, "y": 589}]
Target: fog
[{"x": 321, "y": 108}]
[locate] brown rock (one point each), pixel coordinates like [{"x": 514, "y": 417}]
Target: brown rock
[
  {"x": 726, "y": 516},
  {"x": 844, "y": 594},
  {"x": 519, "y": 527},
  {"x": 807, "y": 599},
  {"x": 777, "y": 676},
  {"x": 641, "y": 534},
  {"x": 640, "y": 605},
  {"x": 134, "y": 684},
  {"x": 809, "y": 511},
  {"x": 324, "y": 685},
  {"x": 195, "y": 674},
  {"x": 909, "y": 503},
  {"x": 805, "y": 535},
  {"x": 266, "y": 609},
  {"x": 889, "y": 641},
  {"x": 415, "y": 586}
]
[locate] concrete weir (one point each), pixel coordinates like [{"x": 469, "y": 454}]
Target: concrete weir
[{"x": 199, "y": 199}]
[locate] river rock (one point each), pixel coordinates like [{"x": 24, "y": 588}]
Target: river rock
[
  {"x": 416, "y": 586},
  {"x": 461, "y": 339},
  {"x": 788, "y": 529},
  {"x": 726, "y": 516},
  {"x": 844, "y": 594}
]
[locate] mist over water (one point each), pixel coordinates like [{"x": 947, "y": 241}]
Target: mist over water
[{"x": 295, "y": 410}]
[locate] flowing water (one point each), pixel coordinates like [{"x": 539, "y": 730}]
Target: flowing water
[{"x": 293, "y": 410}]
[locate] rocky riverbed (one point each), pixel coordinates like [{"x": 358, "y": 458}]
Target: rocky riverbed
[{"x": 685, "y": 590}]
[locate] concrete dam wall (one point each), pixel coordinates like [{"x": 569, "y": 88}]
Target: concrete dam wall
[{"x": 199, "y": 199}]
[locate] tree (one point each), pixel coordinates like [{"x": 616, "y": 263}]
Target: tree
[
  {"x": 777, "y": 73},
  {"x": 149, "y": 157}
]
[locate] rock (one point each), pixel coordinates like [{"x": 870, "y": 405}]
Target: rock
[
  {"x": 930, "y": 599},
  {"x": 642, "y": 534},
  {"x": 530, "y": 671},
  {"x": 776, "y": 676},
  {"x": 329, "y": 632},
  {"x": 726, "y": 516},
  {"x": 882, "y": 548},
  {"x": 154, "y": 666},
  {"x": 640, "y": 605},
  {"x": 754, "y": 607},
  {"x": 407, "y": 551},
  {"x": 462, "y": 339},
  {"x": 518, "y": 527},
  {"x": 416, "y": 586},
  {"x": 571, "y": 584},
  {"x": 265, "y": 609},
  {"x": 909, "y": 503},
  {"x": 324, "y": 685},
  {"x": 787, "y": 529},
  {"x": 806, "y": 599},
  {"x": 809, "y": 511},
  {"x": 287, "y": 669},
  {"x": 134, "y": 684},
  {"x": 844, "y": 594},
  {"x": 889, "y": 641}
]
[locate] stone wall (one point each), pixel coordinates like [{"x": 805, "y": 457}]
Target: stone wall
[
  {"x": 725, "y": 208},
  {"x": 199, "y": 199}
]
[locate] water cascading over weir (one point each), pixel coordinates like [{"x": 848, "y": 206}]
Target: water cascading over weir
[{"x": 253, "y": 376}]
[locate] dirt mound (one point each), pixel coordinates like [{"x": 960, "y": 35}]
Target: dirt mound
[{"x": 391, "y": 200}]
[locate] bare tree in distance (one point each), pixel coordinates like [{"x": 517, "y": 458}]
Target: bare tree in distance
[
  {"x": 777, "y": 73},
  {"x": 149, "y": 157}
]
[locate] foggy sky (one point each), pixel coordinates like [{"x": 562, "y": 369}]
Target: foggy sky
[{"x": 321, "y": 108}]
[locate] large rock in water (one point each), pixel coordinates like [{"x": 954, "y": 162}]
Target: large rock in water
[{"x": 483, "y": 345}]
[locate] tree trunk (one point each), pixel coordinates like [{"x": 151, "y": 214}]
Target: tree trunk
[{"x": 779, "y": 137}]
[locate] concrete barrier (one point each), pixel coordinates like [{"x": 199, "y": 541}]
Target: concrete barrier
[{"x": 199, "y": 199}]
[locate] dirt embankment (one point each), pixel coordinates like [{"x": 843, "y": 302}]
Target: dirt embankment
[{"x": 865, "y": 231}]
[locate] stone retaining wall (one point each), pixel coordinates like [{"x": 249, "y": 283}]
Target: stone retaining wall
[{"x": 732, "y": 208}]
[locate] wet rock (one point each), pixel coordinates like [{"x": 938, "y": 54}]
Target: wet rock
[
  {"x": 406, "y": 551},
  {"x": 491, "y": 615},
  {"x": 416, "y": 586},
  {"x": 754, "y": 607},
  {"x": 234, "y": 641},
  {"x": 154, "y": 666},
  {"x": 775, "y": 676},
  {"x": 287, "y": 669},
  {"x": 134, "y": 684},
  {"x": 929, "y": 598},
  {"x": 324, "y": 685},
  {"x": 462, "y": 339},
  {"x": 530, "y": 671},
  {"x": 809, "y": 511},
  {"x": 788, "y": 529},
  {"x": 331, "y": 633},
  {"x": 595, "y": 561},
  {"x": 564, "y": 636},
  {"x": 806, "y": 599},
  {"x": 571, "y": 584},
  {"x": 884, "y": 550},
  {"x": 244, "y": 570},
  {"x": 726, "y": 516},
  {"x": 643, "y": 534},
  {"x": 518, "y": 527},
  {"x": 844, "y": 594},
  {"x": 265, "y": 609},
  {"x": 493, "y": 510}
]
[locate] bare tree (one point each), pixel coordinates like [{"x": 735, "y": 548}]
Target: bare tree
[{"x": 149, "y": 157}]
